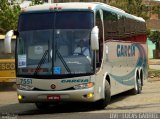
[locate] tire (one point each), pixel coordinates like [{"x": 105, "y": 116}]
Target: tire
[
  {"x": 101, "y": 104},
  {"x": 138, "y": 86}
]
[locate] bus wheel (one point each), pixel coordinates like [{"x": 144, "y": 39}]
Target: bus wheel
[
  {"x": 43, "y": 106},
  {"x": 101, "y": 104},
  {"x": 138, "y": 86}
]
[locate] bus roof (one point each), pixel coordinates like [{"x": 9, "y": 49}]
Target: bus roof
[
  {"x": 63, "y": 6},
  {"x": 79, "y": 6}
]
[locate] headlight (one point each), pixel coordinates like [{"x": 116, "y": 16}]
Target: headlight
[
  {"x": 24, "y": 87},
  {"x": 84, "y": 86}
]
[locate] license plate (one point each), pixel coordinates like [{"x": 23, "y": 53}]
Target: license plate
[{"x": 53, "y": 97}]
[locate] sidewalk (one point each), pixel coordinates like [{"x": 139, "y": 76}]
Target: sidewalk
[
  {"x": 154, "y": 64},
  {"x": 154, "y": 70}
]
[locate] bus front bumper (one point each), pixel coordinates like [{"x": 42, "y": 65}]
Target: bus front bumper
[{"x": 83, "y": 95}]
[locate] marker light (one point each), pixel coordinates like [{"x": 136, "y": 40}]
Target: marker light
[
  {"x": 59, "y": 8},
  {"x": 23, "y": 10},
  {"x": 55, "y": 8},
  {"x": 89, "y": 7},
  {"x": 19, "y": 97},
  {"x": 90, "y": 84},
  {"x": 51, "y": 8}
]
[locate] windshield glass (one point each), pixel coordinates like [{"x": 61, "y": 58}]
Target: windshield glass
[
  {"x": 50, "y": 44},
  {"x": 72, "y": 52},
  {"x": 33, "y": 46}
]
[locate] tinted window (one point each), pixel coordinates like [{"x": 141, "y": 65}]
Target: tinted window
[
  {"x": 64, "y": 20},
  {"x": 110, "y": 24},
  {"x": 35, "y": 21},
  {"x": 74, "y": 20},
  {"x": 121, "y": 27}
]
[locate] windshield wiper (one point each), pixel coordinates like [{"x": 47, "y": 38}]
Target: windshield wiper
[
  {"x": 43, "y": 59},
  {"x": 63, "y": 61}
]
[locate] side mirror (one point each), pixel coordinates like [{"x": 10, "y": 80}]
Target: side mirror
[
  {"x": 7, "y": 41},
  {"x": 94, "y": 38}
]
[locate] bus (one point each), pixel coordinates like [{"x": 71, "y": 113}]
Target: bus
[
  {"x": 48, "y": 72},
  {"x": 7, "y": 62}
]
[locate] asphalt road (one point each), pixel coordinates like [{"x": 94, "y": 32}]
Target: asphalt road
[{"x": 148, "y": 102}]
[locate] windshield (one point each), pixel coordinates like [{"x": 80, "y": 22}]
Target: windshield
[{"x": 50, "y": 44}]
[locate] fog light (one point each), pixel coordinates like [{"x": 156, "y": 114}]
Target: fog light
[
  {"x": 20, "y": 97},
  {"x": 89, "y": 95}
]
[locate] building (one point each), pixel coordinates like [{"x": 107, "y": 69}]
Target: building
[
  {"x": 154, "y": 17},
  {"x": 151, "y": 49},
  {"x": 153, "y": 23}
]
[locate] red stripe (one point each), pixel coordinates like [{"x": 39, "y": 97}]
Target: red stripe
[{"x": 139, "y": 39}]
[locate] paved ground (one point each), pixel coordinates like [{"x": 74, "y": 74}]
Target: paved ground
[
  {"x": 147, "y": 102},
  {"x": 154, "y": 64},
  {"x": 154, "y": 61},
  {"x": 156, "y": 67}
]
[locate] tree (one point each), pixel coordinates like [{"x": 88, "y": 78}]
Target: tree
[
  {"x": 8, "y": 16},
  {"x": 135, "y": 7},
  {"x": 155, "y": 38},
  {"x": 37, "y": 2}
]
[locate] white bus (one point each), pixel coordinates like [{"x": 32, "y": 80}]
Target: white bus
[{"x": 47, "y": 69}]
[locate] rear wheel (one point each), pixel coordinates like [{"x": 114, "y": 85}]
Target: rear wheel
[
  {"x": 138, "y": 86},
  {"x": 101, "y": 104}
]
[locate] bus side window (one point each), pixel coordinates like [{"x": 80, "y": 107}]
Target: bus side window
[
  {"x": 127, "y": 27},
  {"x": 110, "y": 25},
  {"x": 99, "y": 53},
  {"x": 121, "y": 29}
]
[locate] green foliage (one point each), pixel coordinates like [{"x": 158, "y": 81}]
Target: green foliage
[
  {"x": 120, "y": 4},
  {"x": 154, "y": 36},
  {"x": 37, "y": 2},
  {"x": 156, "y": 9},
  {"x": 8, "y": 16},
  {"x": 134, "y": 7}
]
